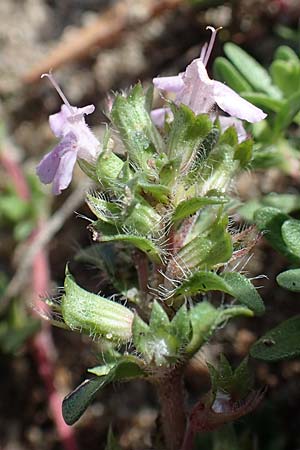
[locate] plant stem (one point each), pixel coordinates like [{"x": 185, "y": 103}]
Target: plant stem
[{"x": 170, "y": 391}]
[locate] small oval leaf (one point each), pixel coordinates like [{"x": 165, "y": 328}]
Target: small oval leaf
[
  {"x": 279, "y": 343},
  {"x": 290, "y": 279}
]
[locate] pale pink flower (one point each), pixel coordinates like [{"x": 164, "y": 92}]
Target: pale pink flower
[
  {"x": 196, "y": 90},
  {"x": 77, "y": 141}
]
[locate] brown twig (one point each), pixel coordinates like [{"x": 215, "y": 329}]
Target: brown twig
[{"x": 102, "y": 33}]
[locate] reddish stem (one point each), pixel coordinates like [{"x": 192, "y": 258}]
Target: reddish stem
[
  {"x": 42, "y": 345},
  {"x": 44, "y": 351},
  {"x": 171, "y": 397},
  {"x": 16, "y": 174}
]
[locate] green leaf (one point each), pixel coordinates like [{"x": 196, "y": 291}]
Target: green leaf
[
  {"x": 77, "y": 401},
  {"x": 286, "y": 75},
  {"x": 244, "y": 291},
  {"x": 205, "y": 320},
  {"x": 279, "y": 343},
  {"x": 253, "y": 72},
  {"x": 263, "y": 101},
  {"x": 290, "y": 279},
  {"x": 105, "y": 234},
  {"x": 287, "y": 113},
  {"x": 270, "y": 220},
  {"x": 186, "y": 135},
  {"x": 225, "y": 71},
  {"x": 192, "y": 205},
  {"x": 285, "y": 53},
  {"x": 140, "y": 136},
  {"x": 290, "y": 231},
  {"x": 95, "y": 315},
  {"x": 203, "y": 281}
]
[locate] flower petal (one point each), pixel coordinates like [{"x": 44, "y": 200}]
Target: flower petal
[
  {"x": 58, "y": 121},
  {"x": 158, "y": 116},
  {"x": 232, "y": 103},
  {"x": 48, "y": 166},
  {"x": 64, "y": 172},
  {"x": 197, "y": 92},
  {"x": 171, "y": 84}
]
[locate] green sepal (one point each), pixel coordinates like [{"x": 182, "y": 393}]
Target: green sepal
[
  {"x": 206, "y": 251},
  {"x": 141, "y": 218},
  {"x": 141, "y": 138},
  {"x": 190, "y": 206},
  {"x": 203, "y": 151},
  {"x": 225, "y": 71},
  {"x": 243, "y": 153},
  {"x": 155, "y": 343},
  {"x": 108, "y": 168},
  {"x": 104, "y": 233},
  {"x": 161, "y": 342},
  {"x": 158, "y": 191},
  {"x": 186, "y": 135},
  {"x": 159, "y": 318},
  {"x": 254, "y": 73},
  {"x": 169, "y": 172},
  {"x": 77, "y": 401},
  {"x": 236, "y": 382},
  {"x": 95, "y": 315},
  {"x": 279, "y": 343},
  {"x": 244, "y": 291},
  {"x": 229, "y": 137},
  {"x": 290, "y": 279},
  {"x": 103, "y": 210},
  {"x": 220, "y": 166},
  {"x": 181, "y": 326}
]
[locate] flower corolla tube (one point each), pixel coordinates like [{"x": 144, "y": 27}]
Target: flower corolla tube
[{"x": 76, "y": 141}]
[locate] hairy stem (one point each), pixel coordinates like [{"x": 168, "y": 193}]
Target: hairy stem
[{"x": 170, "y": 391}]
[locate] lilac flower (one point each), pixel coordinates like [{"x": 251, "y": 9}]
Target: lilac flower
[
  {"x": 77, "y": 141},
  {"x": 196, "y": 90}
]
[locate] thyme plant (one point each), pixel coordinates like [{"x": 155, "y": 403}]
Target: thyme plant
[{"x": 162, "y": 207}]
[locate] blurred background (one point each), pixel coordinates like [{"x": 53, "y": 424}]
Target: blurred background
[{"x": 95, "y": 47}]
